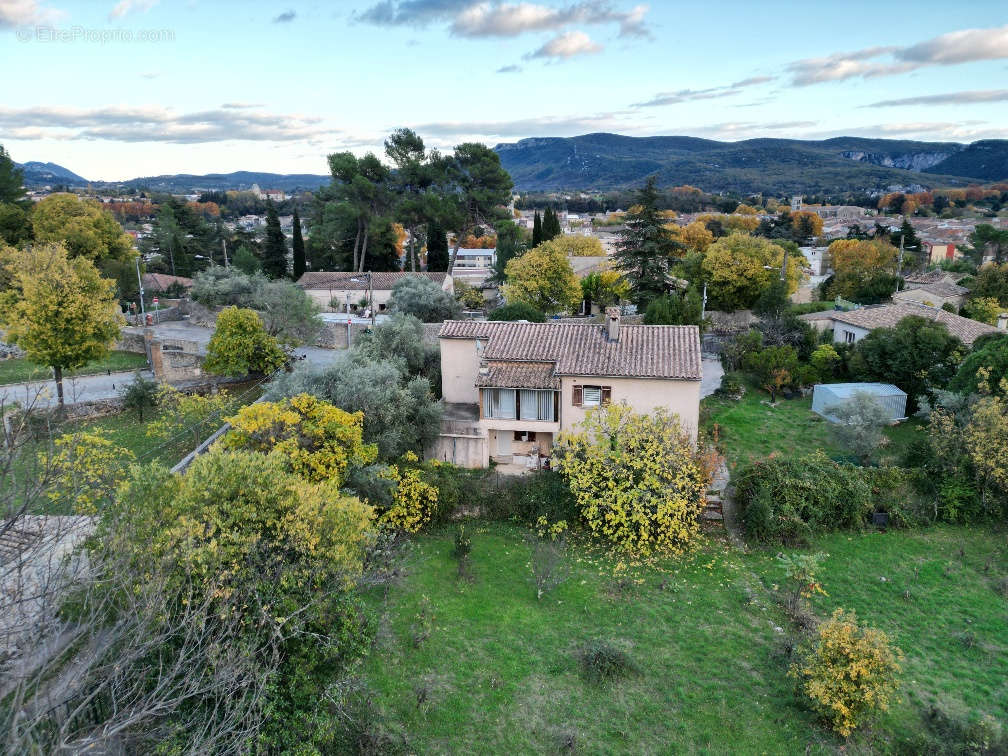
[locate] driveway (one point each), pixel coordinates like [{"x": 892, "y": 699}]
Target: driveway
[{"x": 712, "y": 374}]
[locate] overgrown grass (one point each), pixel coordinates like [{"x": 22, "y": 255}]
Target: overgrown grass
[
  {"x": 500, "y": 670},
  {"x": 21, "y": 370},
  {"x": 751, "y": 429}
]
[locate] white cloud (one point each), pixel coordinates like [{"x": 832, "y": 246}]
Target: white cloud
[
  {"x": 567, "y": 45},
  {"x": 948, "y": 98},
  {"x": 966, "y": 46},
  {"x": 25, "y": 12},
  {"x": 711, "y": 93},
  {"x": 125, "y": 7}
]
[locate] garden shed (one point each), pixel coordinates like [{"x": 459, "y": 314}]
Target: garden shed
[{"x": 826, "y": 396}]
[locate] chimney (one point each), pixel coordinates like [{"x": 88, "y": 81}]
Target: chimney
[
  {"x": 612, "y": 322},
  {"x": 1002, "y": 322}
]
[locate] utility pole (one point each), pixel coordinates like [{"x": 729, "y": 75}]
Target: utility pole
[
  {"x": 140, "y": 282},
  {"x": 223, "y": 244},
  {"x": 899, "y": 264}
]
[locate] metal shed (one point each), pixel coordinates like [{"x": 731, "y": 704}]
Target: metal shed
[{"x": 825, "y": 396}]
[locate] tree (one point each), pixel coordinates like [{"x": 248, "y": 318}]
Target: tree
[
  {"x": 181, "y": 413},
  {"x": 917, "y": 355},
  {"x": 470, "y": 297},
  {"x": 246, "y": 261},
  {"x": 316, "y": 440},
  {"x": 775, "y": 367},
  {"x": 400, "y": 340},
  {"x": 992, "y": 281},
  {"x": 859, "y": 424},
  {"x": 274, "y": 262},
  {"x": 983, "y": 309},
  {"x": 537, "y": 235},
  {"x": 551, "y": 225},
  {"x": 424, "y": 299},
  {"x": 511, "y": 242},
  {"x": 675, "y": 308},
  {"x": 517, "y": 311},
  {"x": 987, "y": 240},
  {"x": 645, "y": 248},
  {"x": 575, "y": 245},
  {"x": 240, "y": 345},
  {"x": 738, "y": 268},
  {"x": 59, "y": 310},
  {"x": 11, "y": 181},
  {"x": 910, "y": 242},
  {"x": 437, "y": 247},
  {"x": 637, "y": 478},
  {"x": 361, "y": 188},
  {"x": 15, "y": 225},
  {"x": 412, "y": 184},
  {"x": 288, "y": 313},
  {"x": 603, "y": 288},
  {"x": 773, "y": 300},
  {"x": 83, "y": 226},
  {"x": 138, "y": 395},
  {"x": 988, "y": 362},
  {"x": 297, "y": 248},
  {"x": 986, "y": 442},
  {"x": 543, "y": 279},
  {"x": 477, "y": 190},
  {"x": 847, "y": 671},
  {"x": 694, "y": 237}
]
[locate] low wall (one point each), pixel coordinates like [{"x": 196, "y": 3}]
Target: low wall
[
  {"x": 463, "y": 450},
  {"x": 334, "y": 335}
]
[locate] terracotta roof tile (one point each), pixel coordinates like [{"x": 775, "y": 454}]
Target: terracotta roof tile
[
  {"x": 642, "y": 351},
  {"x": 344, "y": 280},
  {"x": 527, "y": 375}
]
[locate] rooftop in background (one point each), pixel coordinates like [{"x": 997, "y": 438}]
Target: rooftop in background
[
  {"x": 154, "y": 282},
  {"x": 358, "y": 281},
  {"x": 641, "y": 351},
  {"x": 888, "y": 315}
]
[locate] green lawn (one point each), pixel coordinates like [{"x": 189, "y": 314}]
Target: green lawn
[
  {"x": 751, "y": 429},
  {"x": 499, "y": 674},
  {"x": 20, "y": 370}
]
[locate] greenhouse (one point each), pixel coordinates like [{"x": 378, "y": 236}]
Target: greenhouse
[{"x": 827, "y": 396}]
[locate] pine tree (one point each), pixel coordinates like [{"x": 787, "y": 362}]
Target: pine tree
[
  {"x": 645, "y": 247},
  {"x": 275, "y": 247},
  {"x": 297, "y": 248},
  {"x": 437, "y": 248},
  {"x": 536, "y": 229}
]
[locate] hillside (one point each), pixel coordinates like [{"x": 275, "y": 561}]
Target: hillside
[
  {"x": 240, "y": 180},
  {"x": 42, "y": 174},
  {"x": 843, "y": 164}
]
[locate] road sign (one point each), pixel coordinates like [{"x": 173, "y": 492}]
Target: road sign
[{"x": 155, "y": 300}]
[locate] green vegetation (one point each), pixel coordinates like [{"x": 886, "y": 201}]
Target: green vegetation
[
  {"x": 20, "y": 370},
  {"x": 705, "y": 636}
]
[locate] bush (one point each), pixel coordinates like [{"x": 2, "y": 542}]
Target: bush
[
  {"x": 861, "y": 419},
  {"x": 732, "y": 387},
  {"x": 138, "y": 395},
  {"x": 787, "y": 500},
  {"x": 736, "y": 349},
  {"x": 517, "y": 311},
  {"x": 944, "y": 732},
  {"x": 637, "y": 478},
  {"x": 847, "y": 672},
  {"x": 529, "y": 497},
  {"x": 414, "y": 503},
  {"x": 601, "y": 662},
  {"x": 423, "y": 298},
  {"x": 240, "y": 345}
]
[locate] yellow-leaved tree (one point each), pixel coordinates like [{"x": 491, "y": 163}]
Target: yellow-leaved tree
[
  {"x": 83, "y": 226},
  {"x": 695, "y": 236},
  {"x": 638, "y": 479},
  {"x": 739, "y": 268},
  {"x": 315, "y": 439},
  {"x": 240, "y": 345},
  {"x": 60, "y": 311},
  {"x": 574, "y": 245},
  {"x": 87, "y": 467},
  {"x": 543, "y": 279}
]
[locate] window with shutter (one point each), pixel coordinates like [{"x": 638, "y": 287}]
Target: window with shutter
[
  {"x": 606, "y": 394},
  {"x": 591, "y": 396},
  {"x": 576, "y": 396}
]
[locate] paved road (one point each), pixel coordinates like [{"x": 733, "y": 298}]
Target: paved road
[{"x": 87, "y": 388}]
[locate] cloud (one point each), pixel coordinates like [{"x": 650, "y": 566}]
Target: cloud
[
  {"x": 241, "y": 105},
  {"x": 565, "y": 46},
  {"x": 509, "y": 69},
  {"x": 470, "y": 18},
  {"x": 966, "y": 46},
  {"x": 949, "y": 98},
  {"x": 712, "y": 93},
  {"x": 125, "y": 7},
  {"x": 156, "y": 124},
  {"x": 150, "y": 74},
  {"x": 285, "y": 18},
  {"x": 25, "y": 12}
]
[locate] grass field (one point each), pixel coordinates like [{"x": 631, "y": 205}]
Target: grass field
[
  {"x": 751, "y": 429},
  {"x": 21, "y": 370},
  {"x": 499, "y": 671}
]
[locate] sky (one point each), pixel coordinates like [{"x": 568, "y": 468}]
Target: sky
[{"x": 115, "y": 89}]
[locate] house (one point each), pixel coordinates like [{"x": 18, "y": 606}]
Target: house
[
  {"x": 853, "y": 325},
  {"x": 277, "y": 195},
  {"x": 158, "y": 283},
  {"x": 930, "y": 277},
  {"x": 475, "y": 259},
  {"x": 934, "y": 294},
  {"x": 338, "y": 291},
  {"x": 938, "y": 251},
  {"x": 523, "y": 383}
]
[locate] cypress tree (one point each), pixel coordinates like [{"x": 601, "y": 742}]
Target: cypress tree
[
  {"x": 297, "y": 248},
  {"x": 551, "y": 225},
  {"x": 275, "y": 247},
  {"x": 536, "y": 229},
  {"x": 437, "y": 248}
]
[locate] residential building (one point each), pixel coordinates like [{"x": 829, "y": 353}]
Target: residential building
[
  {"x": 156, "y": 283},
  {"x": 915, "y": 280},
  {"x": 934, "y": 294},
  {"x": 853, "y": 325},
  {"x": 476, "y": 258},
  {"x": 939, "y": 251},
  {"x": 277, "y": 195},
  {"x": 346, "y": 291},
  {"x": 524, "y": 383}
]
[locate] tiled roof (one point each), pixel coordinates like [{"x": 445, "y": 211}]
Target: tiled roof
[
  {"x": 932, "y": 276},
  {"x": 344, "y": 280},
  {"x": 642, "y": 351},
  {"x": 941, "y": 289},
  {"x": 527, "y": 375},
  {"x": 161, "y": 281},
  {"x": 888, "y": 315}
]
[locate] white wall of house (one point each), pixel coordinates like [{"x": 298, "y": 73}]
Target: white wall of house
[
  {"x": 459, "y": 367},
  {"x": 844, "y": 333},
  {"x": 644, "y": 395},
  {"x": 324, "y": 296}
]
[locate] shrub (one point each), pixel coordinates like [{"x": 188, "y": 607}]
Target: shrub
[
  {"x": 517, "y": 311},
  {"x": 180, "y": 414},
  {"x": 731, "y": 387},
  {"x": 414, "y": 502},
  {"x": 601, "y": 662},
  {"x": 847, "y": 672},
  {"x": 423, "y": 298},
  {"x": 861, "y": 419},
  {"x": 463, "y": 544},
  {"x": 315, "y": 439},
  {"x": 240, "y": 345},
  {"x": 469, "y": 296},
  {"x": 525, "y": 499},
  {"x": 86, "y": 468},
  {"x": 736, "y": 349},
  {"x": 825, "y": 360},
  {"x": 138, "y": 395},
  {"x": 548, "y": 565},
  {"x": 637, "y": 478},
  {"x": 944, "y": 732}
]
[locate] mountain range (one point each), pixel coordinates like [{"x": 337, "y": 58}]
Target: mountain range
[
  {"x": 611, "y": 161},
  {"x": 773, "y": 166}
]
